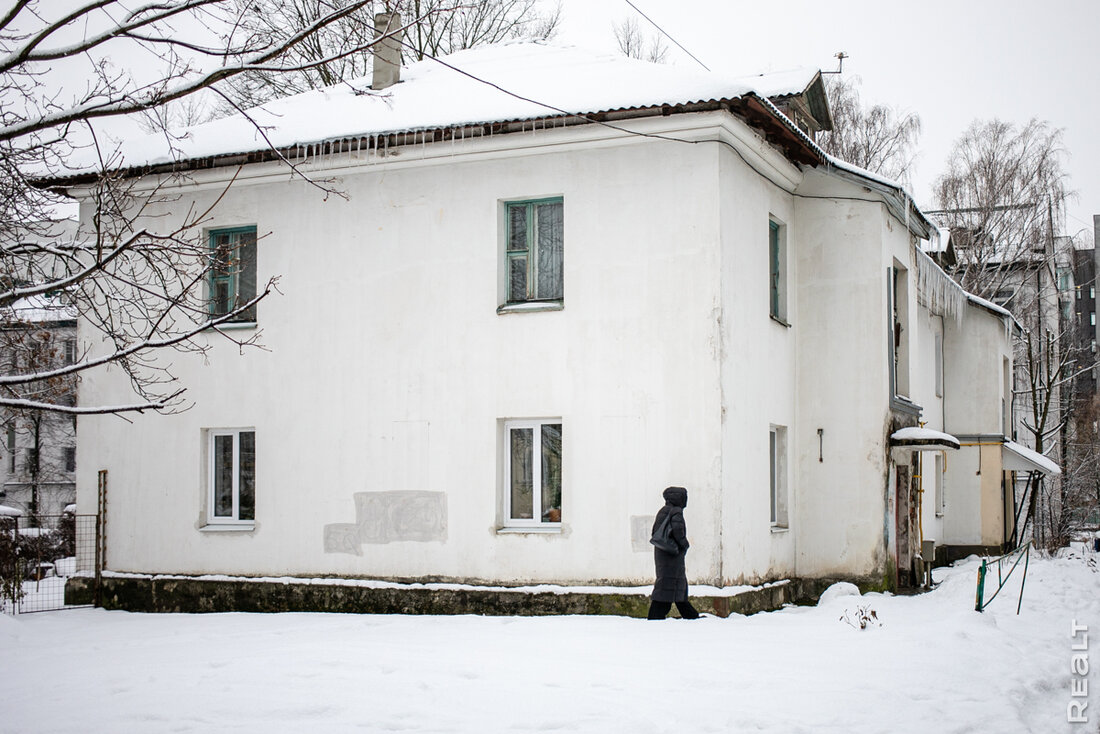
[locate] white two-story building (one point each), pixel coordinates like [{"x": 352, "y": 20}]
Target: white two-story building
[{"x": 542, "y": 301}]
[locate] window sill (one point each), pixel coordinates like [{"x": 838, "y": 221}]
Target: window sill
[
  {"x": 533, "y": 530},
  {"x": 529, "y": 306},
  {"x": 902, "y": 404},
  {"x": 780, "y": 529},
  {"x": 237, "y": 527},
  {"x": 235, "y": 325},
  {"x": 778, "y": 320}
]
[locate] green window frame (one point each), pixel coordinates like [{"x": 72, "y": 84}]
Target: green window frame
[
  {"x": 534, "y": 255},
  {"x": 775, "y": 271},
  {"x": 233, "y": 272}
]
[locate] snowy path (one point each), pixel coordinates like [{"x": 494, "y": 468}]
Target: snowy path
[{"x": 934, "y": 666}]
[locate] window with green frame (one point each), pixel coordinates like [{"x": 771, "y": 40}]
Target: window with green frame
[
  {"x": 533, "y": 260},
  {"x": 776, "y": 271},
  {"x": 233, "y": 272}
]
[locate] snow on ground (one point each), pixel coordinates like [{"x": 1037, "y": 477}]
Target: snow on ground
[{"x": 934, "y": 665}]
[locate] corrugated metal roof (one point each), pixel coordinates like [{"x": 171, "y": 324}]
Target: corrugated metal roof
[{"x": 511, "y": 82}]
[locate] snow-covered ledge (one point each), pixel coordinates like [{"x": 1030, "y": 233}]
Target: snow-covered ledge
[
  {"x": 1017, "y": 457},
  {"x": 922, "y": 439}
]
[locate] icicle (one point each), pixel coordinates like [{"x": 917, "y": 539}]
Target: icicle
[{"x": 936, "y": 290}]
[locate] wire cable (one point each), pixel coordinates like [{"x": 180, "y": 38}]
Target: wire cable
[
  {"x": 669, "y": 138},
  {"x": 666, "y": 35}
]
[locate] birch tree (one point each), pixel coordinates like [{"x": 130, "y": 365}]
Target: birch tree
[
  {"x": 1003, "y": 195},
  {"x": 1003, "y": 198},
  {"x": 878, "y": 138},
  {"x": 635, "y": 44}
]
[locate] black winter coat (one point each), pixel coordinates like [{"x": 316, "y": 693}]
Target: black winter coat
[{"x": 671, "y": 584}]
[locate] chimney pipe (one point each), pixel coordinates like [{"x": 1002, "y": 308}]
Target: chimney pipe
[{"x": 387, "y": 52}]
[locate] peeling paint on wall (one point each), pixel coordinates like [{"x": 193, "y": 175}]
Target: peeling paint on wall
[
  {"x": 641, "y": 528},
  {"x": 386, "y": 517}
]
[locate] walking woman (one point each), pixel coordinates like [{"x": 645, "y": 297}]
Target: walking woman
[{"x": 672, "y": 586}]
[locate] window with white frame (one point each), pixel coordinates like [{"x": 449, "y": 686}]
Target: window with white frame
[
  {"x": 777, "y": 464},
  {"x": 233, "y": 272},
  {"x": 777, "y": 270},
  {"x": 534, "y": 250},
  {"x": 532, "y": 473},
  {"x": 232, "y": 480}
]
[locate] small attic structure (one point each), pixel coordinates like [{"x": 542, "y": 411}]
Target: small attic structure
[{"x": 800, "y": 95}]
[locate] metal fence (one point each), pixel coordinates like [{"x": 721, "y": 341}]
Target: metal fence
[{"x": 44, "y": 552}]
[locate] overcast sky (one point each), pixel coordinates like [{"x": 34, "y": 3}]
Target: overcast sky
[{"x": 950, "y": 62}]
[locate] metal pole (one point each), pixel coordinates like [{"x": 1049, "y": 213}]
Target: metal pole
[{"x": 981, "y": 588}]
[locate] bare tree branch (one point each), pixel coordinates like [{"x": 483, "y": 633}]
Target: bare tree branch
[{"x": 879, "y": 139}]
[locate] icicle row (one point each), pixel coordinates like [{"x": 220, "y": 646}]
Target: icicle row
[{"x": 935, "y": 289}]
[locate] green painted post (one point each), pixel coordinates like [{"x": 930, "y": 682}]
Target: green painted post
[
  {"x": 981, "y": 588},
  {"x": 1027, "y": 557}
]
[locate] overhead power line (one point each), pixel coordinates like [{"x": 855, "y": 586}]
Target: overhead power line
[{"x": 666, "y": 35}]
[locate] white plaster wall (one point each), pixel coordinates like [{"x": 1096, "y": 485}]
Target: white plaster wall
[
  {"x": 927, "y": 326},
  {"x": 759, "y": 375},
  {"x": 390, "y": 369},
  {"x": 963, "y": 499},
  {"x": 974, "y": 352},
  {"x": 841, "y": 331}
]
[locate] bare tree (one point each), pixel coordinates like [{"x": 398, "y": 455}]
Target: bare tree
[
  {"x": 1002, "y": 195},
  {"x": 42, "y": 339},
  {"x": 879, "y": 139},
  {"x": 435, "y": 27},
  {"x": 633, "y": 43},
  {"x": 142, "y": 292},
  {"x": 1003, "y": 198}
]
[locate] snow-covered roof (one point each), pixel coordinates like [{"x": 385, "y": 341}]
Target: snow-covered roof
[
  {"x": 923, "y": 438},
  {"x": 781, "y": 83},
  {"x": 938, "y": 241},
  {"x": 6, "y": 511},
  {"x": 1027, "y": 459},
  {"x": 990, "y": 306},
  {"x": 505, "y": 82},
  {"x": 39, "y": 309}
]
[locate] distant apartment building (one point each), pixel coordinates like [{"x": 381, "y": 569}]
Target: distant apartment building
[{"x": 1082, "y": 314}]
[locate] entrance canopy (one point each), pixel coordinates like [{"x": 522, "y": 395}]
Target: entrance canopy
[
  {"x": 1015, "y": 457},
  {"x": 922, "y": 439}
]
